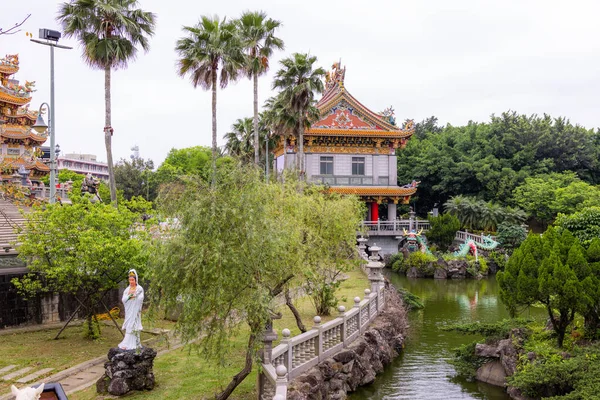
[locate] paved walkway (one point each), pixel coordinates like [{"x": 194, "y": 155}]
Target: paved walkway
[{"x": 74, "y": 379}]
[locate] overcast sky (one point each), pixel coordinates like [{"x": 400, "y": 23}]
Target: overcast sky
[{"x": 458, "y": 60}]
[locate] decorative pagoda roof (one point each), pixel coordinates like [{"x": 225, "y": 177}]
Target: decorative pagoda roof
[
  {"x": 10, "y": 64},
  {"x": 20, "y": 132},
  {"x": 374, "y": 190},
  {"x": 15, "y": 163},
  {"x": 343, "y": 115}
]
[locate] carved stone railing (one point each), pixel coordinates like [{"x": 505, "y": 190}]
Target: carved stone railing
[
  {"x": 44, "y": 193},
  {"x": 393, "y": 228},
  {"x": 466, "y": 236},
  {"x": 296, "y": 355}
]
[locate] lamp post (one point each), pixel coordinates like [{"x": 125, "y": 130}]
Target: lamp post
[{"x": 50, "y": 38}]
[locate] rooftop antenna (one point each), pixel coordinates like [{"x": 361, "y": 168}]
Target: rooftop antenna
[{"x": 136, "y": 152}]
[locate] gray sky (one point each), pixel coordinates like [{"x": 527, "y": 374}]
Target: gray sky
[{"x": 458, "y": 60}]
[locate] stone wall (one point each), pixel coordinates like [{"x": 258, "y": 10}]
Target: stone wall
[
  {"x": 361, "y": 361},
  {"x": 16, "y": 310}
]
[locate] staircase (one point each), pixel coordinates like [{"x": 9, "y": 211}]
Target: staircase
[{"x": 10, "y": 219}]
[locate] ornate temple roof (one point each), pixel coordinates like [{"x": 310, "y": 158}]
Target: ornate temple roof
[
  {"x": 374, "y": 190},
  {"x": 10, "y": 131},
  {"x": 343, "y": 115},
  {"x": 15, "y": 163}
]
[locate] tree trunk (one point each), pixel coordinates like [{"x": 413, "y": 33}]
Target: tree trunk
[
  {"x": 290, "y": 304},
  {"x": 300, "y": 153},
  {"x": 108, "y": 131},
  {"x": 256, "y": 145},
  {"x": 239, "y": 378},
  {"x": 214, "y": 129}
]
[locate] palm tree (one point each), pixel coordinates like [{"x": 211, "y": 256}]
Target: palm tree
[
  {"x": 210, "y": 46},
  {"x": 110, "y": 32},
  {"x": 258, "y": 40},
  {"x": 299, "y": 83},
  {"x": 239, "y": 140}
]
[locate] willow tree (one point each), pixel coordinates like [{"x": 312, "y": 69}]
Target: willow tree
[
  {"x": 110, "y": 32},
  {"x": 238, "y": 244},
  {"x": 211, "y": 54},
  {"x": 257, "y": 33}
]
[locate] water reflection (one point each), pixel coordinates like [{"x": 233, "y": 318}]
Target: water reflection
[{"x": 422, "y": 371}]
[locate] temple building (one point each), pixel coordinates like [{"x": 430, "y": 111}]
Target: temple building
[
  {"x": 20, "y": 144},
  {"x": 352, "y": 149}
]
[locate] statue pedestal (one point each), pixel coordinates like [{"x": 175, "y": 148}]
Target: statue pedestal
[{"x": 127, "y": 370}]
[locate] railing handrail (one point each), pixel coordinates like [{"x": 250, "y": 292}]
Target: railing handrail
[
  {"x": 465, "y": 236},
  {"x": 320, "y": 342}
]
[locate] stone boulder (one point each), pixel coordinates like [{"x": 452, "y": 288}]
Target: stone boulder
[
  {"x": 493, "y": 373},
  {"x": 457, "y": 269},
  {"x": 127, "y": 370}
]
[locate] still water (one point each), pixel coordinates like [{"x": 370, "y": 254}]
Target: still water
[{"x": 422, "y": 370}]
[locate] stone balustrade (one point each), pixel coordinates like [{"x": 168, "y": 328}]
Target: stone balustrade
[
  {"x": 466, "y": 236},
  {"x": 296, "y": 355},
  {"x": 393, "y": 228}
]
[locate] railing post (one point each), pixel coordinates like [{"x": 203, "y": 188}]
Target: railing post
[
  {"x": 281, "y": 383},
  {"x": 378, "y": 225},
  {"x": 357, "y": 305},
  {"x": 342, "y": 311},
  {"x": 368, "y": 298},
  {"x": 287, "y": 340},
  {"x": 317, "y": 326}
]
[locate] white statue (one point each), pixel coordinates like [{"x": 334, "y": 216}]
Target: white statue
[
  {"x": 27, "y": 393},
  {"x": 132, "y": 299}
]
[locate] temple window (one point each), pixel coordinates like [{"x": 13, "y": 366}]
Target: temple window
[
  {"x": 358, "y": 165},
  {"x": 326, "y": 165}
]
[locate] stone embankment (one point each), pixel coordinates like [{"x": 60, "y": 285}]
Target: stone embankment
[
  {"x": 502, "y": 357},
  {"x": 357, "y": 365}
]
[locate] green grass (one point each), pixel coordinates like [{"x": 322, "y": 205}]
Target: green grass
[
  {"x": 40, "y": 350},
  {"x": 182, "y": 374}
]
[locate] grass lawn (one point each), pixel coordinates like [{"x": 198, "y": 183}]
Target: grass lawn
[
  {"x": 182, "y": 374},
  {"x": 39, "y": 349}
]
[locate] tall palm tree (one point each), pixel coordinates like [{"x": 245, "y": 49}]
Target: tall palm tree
[
  {"x": 299, "y": 81},
  {"x": 208, "y": 47},
  {"x": 259, "y": 41},
  {"x": 110, "y": 32}
]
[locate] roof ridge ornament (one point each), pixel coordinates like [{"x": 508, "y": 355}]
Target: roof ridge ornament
[{"x": 336, "y": 76}]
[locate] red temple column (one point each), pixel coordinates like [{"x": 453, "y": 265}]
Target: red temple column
[{"x": 374, "y": 211}]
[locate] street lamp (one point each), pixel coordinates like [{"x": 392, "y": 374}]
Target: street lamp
[{"x": 50, "y": 38}]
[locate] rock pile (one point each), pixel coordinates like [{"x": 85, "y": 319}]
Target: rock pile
[
  {"x": 127, "y": 370},
  {"x": 361, "y": 361}
]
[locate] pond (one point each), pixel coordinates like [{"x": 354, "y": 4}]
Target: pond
[{"x": 422, "y": 370}]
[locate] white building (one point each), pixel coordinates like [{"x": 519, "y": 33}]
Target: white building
[{"x": 83, "y": 164}]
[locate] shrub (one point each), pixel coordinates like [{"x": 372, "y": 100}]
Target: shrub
[
  {"x": 443, "y": 230},
  {"x": 498, "y": 259},
  {"x": 420, "y": 261},
  {"x": 391, "y": 260},
  {"x": 511, "y": 236}
]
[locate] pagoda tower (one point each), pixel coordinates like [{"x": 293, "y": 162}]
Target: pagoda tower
[
  {"x": 20, "y": 144},
  {"x": 352, "y": 149}
]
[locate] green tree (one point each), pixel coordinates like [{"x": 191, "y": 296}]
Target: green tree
[
  {"x": 552, "y": 271},
  {"x": 211, "y": 46},
  {"x": 329, "y": 230},
  {"x": 110, "y": 32},
  {"x": 584, "y": 224},
  {"x": 135, "y": 178},
  {"x": 443, "y": 230},
  {"x": 490, "y": 159},
  {"x": 84, "y": 249},
  {"x": 299, "y": 82},
  {"x": 259, "y": 41},
  {"x": 228, "y": 260},
  {"x": 510, "y": 235}
]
